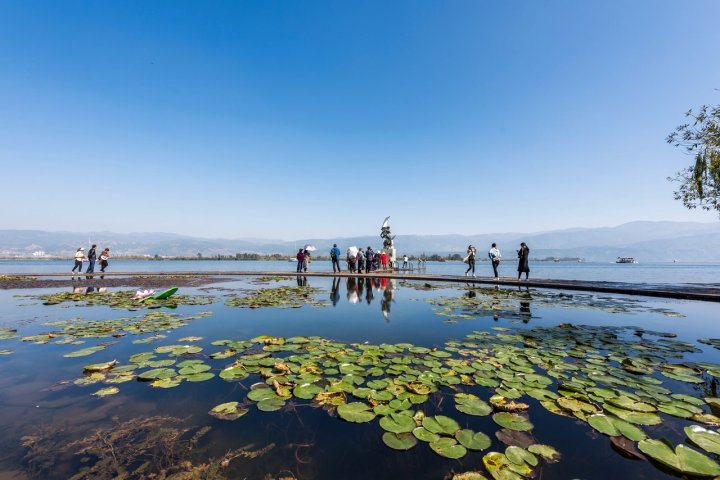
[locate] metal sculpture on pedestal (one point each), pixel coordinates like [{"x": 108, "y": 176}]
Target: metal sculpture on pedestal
[{"x": 388, "y": 246}]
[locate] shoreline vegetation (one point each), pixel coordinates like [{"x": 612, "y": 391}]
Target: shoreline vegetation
[{"x": 273, "y": 257}]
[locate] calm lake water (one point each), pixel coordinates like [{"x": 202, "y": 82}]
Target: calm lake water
[
  {"x": 40, "y": 418},
  {"x": 652, "y": 273}
]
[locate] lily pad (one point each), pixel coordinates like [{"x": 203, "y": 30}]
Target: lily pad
[
  {"x": 421, "y": 433},
  {"x": 682, "y": 459},
  {"x": 356, "y": 412},
  {"x": 399, "y": 441},
  {"x": 228, "y": 411},
  {"x": 104, "y": 392},
  {"x": 397, "y": 423},
  {"x": 448, "y": 448},
  {"x": 706, "y": 439},
  {"x": 441, "y": 424},
  {"x": 473, "y": 440},
  {"x": 512, "y": 421}
]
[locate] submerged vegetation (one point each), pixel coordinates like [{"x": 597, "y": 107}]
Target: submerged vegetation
[
  {"x": 121, "y": 300},
  {"x": 279, "y": 297},
  {"x": 515, "y": 304}
]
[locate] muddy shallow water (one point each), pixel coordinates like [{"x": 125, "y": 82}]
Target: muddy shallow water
[{"x": 54, "y": 427}]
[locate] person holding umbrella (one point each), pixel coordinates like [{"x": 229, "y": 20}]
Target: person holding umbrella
[
  {"x": 351, "y": 255},
  {"x": 306, "y": 258}
]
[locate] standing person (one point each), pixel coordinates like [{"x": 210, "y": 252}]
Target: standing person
[
  {"x": 300, "y": 260},
  {"x": 494, "y": 255},
  {"x": 350, "y": 261},
  {"x": 369, "y": 259},
  {"x": 335, "y": 257},
  {"x": 306, "y": 260},
  {"x": 383, "y": 259},
  {"x": 79, "y": 256},
  {"x": 360, "y": 261},
  {"x": 91, "y": 256},
  {"x": 405, "y": 260},
  {"x": 523, "y": 261},
  {"x": 104, "y": 256},
  {"x": 471, "y": 253}
]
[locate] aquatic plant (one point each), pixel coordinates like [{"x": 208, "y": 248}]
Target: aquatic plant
[
  {"x": 279, "y": 297},
  {"x": 120, "y": 300}
]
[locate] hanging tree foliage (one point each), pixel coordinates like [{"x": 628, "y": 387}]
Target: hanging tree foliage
[{"x": 700, "y": 137}]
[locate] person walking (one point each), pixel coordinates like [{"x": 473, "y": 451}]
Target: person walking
[
  {"x": 360, "y": 261},
  {"x": 92, "y": 257},
  {"x": 471, "y": 253},
  {"x": 335, "y": 258},
  {"x": 369, "y": 259},
  {"x": 405, "y": 261},
  {"x": 523, "y": 261},
  {"x": 494, "y": 255},
  {"x": 104, "y": 256},
  {"x": 300, "y": 260},
  {"x": 79, "y": 256}
]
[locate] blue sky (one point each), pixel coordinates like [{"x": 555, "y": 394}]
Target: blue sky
[{"x": 316, "y": 119}]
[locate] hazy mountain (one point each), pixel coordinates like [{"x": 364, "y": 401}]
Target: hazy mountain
[{"x": 646, "y": 241}]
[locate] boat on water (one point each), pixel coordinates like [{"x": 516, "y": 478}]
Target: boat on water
[{"x": 625, "y": 260}]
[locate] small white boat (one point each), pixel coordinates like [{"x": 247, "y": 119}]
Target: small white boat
[{"x": 625, "y": 260}]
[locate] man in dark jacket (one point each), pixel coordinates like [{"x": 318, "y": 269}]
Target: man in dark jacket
[
  {"x": 92, "y": 256},
  {"x": 335, "y": 257},
  {"x": 369, "y": 257}
]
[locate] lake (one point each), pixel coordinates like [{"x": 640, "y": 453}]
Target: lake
[
  {"x": 316, "y": 378},
  {"x": 651, "y": 273}
]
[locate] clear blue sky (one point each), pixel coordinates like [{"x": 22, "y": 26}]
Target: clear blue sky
[{"x": 315, "y": 119}]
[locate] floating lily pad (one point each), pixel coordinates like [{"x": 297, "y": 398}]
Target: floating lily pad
[
  {"x": 356, "y": 412},
  {"x": 473, "y": 440},
  {"x": 471, "y": 405},
  {"x": 104, "y": 392},
  {"x": 397, "y": 423},
  {"x": 708, "y": 440},
  {"x": 399, "y": 441},
  {"x": 228, "y": 411},
  {"x": 448, "y": 448},
  {"x": 681, "y": 459},
  {"x": 512, "y": 421},
  {"x": 547, "y": 452},
  {"x": 421, "y": 433},
  {"x": 441, "y": 424},
  {"x": 270, "y": 404}
]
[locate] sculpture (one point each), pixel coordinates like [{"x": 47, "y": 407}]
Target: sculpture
[{"x": 388, "y": 245}]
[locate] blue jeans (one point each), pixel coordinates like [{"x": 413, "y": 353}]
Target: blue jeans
[{"x": 91, "y": 267}]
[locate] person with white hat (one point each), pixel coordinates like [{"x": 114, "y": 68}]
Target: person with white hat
[{"x": 79, "y": 257}]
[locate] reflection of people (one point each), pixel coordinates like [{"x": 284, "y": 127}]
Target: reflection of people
[
  {"x": 523, "y": 261},
  {"x": 369, "y": 296},
  {"x": 104, "y": 256},
  {"x": 301, "y": 281},
  {"x": 79, "y": 256},
  {"x": 471, "y": 253},
  {"x": 335, "y": 291},
  {"x": 352, "y": 290},
  {"x": 387, "y": 299},
  {"x": 525, "y": 313},
  {"x": 494, "y": 255},
  {"x": 300, "y": 260},
  {"x": 335, "y": 257}
]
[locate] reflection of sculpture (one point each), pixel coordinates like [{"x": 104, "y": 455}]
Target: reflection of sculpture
[{"x": 388, "y": 238}]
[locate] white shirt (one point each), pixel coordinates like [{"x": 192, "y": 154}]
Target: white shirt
[{"x": 494, "y": 253}]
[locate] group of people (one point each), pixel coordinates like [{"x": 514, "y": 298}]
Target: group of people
[
  {"x": 92, "y": 257},
  {"x": 303, "y": 260},
  {"x": 523, "y": 255},
  {"x": 359, "y": 261}
]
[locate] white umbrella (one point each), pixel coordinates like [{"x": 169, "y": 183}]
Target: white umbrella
[
  {"x": 353, "y": 251},
  {"x": 310, "y": 248}
]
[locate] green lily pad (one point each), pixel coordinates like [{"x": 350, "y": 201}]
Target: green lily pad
[
  {"x": 397, "y": 423},
  {"x": 448, "y": 448},
  {"x": 500, "y": 467},
  {"x": 260, "y": 394},
  {"x": 682, "y": 459},
  {"x": 546, "y": 451},
  {"x": 169, "y": 382},
  {"x": 307, "y": 391},
  {"x": 512, "y": 421},
  {"x": 156, "y": 373},
  {"x": 473, "y": 440},
  {"x": 440, "y": 424},
  {"x": 194, "y": 368},
  {"x": 399, "y": 441},
  {"x": 520, "y": 456},
  {"x": 104, "y": 392},
  {"x": 421, "y": 433},
  {"x": 198, "y": 377},
  {"x": 271, "y": 404},
  {"x": 471, "y": 405},
  {"x": 356, "y": 412},
  {"x": 639, "y": 418},
  {"x": 708, "y": 440},
  {"x": 228, "y": 411}
]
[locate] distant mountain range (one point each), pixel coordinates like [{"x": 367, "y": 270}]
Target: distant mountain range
[{"x": 646, "y": 241}]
